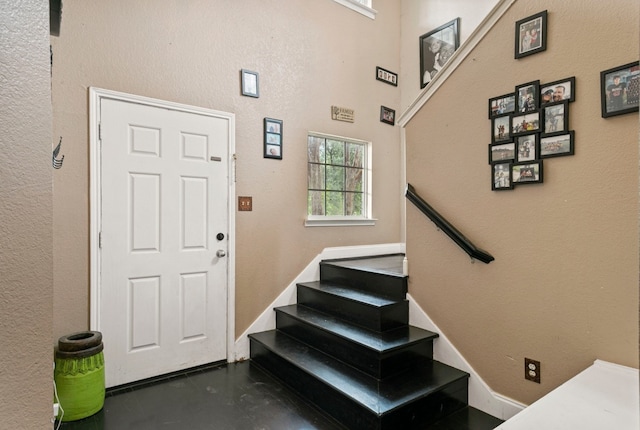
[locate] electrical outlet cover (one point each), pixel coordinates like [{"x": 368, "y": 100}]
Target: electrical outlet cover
[{"x": 532, "y": 370}]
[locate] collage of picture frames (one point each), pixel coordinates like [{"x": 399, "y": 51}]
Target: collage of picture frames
[{"x": 532, "y": 123}]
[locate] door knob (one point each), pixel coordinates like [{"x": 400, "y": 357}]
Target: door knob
[{"x": 220, "y": 253}]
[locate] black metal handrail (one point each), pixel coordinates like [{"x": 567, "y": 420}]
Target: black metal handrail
[{"x": 446, "y": 227}]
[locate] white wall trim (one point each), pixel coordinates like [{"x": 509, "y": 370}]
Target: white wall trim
[
  {"x": 456, "y": 59},
  {"x": 359, "y": 7},
  {"x": 480, "y": 395},
  {"x": 267, "y": 320},
  {"x": 95, "y": 96}
]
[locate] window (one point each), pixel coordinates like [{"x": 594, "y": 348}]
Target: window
[
  {"x": 338, "y": 181},
  {"x": 365, "y": 7}
]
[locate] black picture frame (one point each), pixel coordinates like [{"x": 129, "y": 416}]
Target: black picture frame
[
  {"x": 273, "y": 138},
  {"x": 621, "y": 97},
  {"x": 501, "y": 177},
  {"x": 525, "y": 123},
  {"x": 502, "y": 152},
  {"x": 530, "y": 172},
  {"x": 528, "y": 97},
  {"x": 387, "y": 115},
  {"x": 501, "y": 129},
  {"x": 563, "y": 89},
  {"x": 447, "y": 40},
  {"x": 556, "y": 118},
  {"x": 249, "y": 83},
  {"x": 502, "y": 105},
  {"x": 558, "y": 145},
  {"x": 527, "y": 147},
  {"x": 531, "y": 35},
  {"x": 386, "y": 76}
]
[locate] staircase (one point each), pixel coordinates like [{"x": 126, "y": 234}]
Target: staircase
[{"x": 347, "y": 348}]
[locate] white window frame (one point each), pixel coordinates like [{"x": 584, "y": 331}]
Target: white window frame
[
  {"x": 363, "y": 7},
  {"x": 342, "y": 221}
]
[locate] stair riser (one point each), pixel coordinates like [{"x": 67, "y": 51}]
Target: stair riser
[
  {"x": 333, "y": 403},
  {"x": 393, "y": 287},
  {"x": 374, "y": 318},
  {"x": 430, "y": 409},
  {"x": 362, "y": 358},
  {"x": 420, "y": 412}
]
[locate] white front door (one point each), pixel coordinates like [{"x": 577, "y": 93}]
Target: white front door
[{"x": 164, "y": 227}]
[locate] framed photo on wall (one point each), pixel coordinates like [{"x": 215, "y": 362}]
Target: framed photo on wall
[
  {"x": 527, "y": 147},
  {"x": 502, "y": 105},
  {"x": 502, "y": 152},
  {"x": 249, "y": 83},
  {"x": 273, "y": 138},
  {"x": 500, "y": 129},
  {"x": 502, "y": 177},
  {"x": 556, "y": 118},
  {"x": 531, "y": 35},
  {"x": 527, "y": 173},
  {"x": 619, "y": 90},
  {"x": 387, "y": 115},
  {"x": 564, "y": 89},
  {"x": 436, "y": 47},
  {"x": 528, "y": 97},
  {"x": 557, "y": 146}
]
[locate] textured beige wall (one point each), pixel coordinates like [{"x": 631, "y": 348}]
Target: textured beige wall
[
  {"x": 564, "y": 286},
  {"x": 26, "y": 281},
  {"x": 309, "y": 54}
]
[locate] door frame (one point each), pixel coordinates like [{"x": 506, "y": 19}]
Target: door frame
[{"x": 95, "y": 184}]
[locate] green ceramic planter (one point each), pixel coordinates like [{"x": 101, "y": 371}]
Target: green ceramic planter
[{"x": 79, "y": 377}]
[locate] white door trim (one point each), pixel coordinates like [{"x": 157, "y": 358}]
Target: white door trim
[{"x": 95, "y": 174}]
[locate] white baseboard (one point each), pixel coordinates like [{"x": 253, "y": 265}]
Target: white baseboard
[
  {"x": 267, "y": 320},
  {"x": 480, "y": 395}
]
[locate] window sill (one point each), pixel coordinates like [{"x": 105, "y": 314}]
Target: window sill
[
  {"x": 338, "y": 222},
  {"x": 358, "y": 7}
]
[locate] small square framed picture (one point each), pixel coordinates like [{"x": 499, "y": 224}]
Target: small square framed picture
[
  {"x": 387, "y": 115},
  {"x": 556, "y": 118},
  {"x": 619, "y": 89},
  {"x": 501, "y": 178},
  {"x": 558, "y": 145},
  {"x": 249, "y": 83},
  {"x": 273, "y": 138},
  {"x": 502, "y": 105},
  {"x": 502, "y": 152},
  {"x": 564, "y": 89},
  {"x": 525, "y": 123},
  {"x": 526, "y": 147},
  {"x": 528, "y": 97},
  {"x": 500, "y": 129},
  {"x": 531, "y": 35},
  {"x": 527, "y": 173}
]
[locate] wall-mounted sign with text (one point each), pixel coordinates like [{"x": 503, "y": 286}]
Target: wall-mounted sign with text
[{"x": 342, "y": 114}]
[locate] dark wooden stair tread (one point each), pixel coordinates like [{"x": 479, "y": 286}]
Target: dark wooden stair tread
[
  {"x": 362, "y": 297},
  {"x": 382, "y": 342},
  {"x": 378, "y": 396},
  {"x": 384, "y": 264}
]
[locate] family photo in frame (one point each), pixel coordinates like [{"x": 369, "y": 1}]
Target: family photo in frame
[
  {"x": 531, "y": 35},
  {"x": 619, "y": 89},
  {"x": 436, "y": 47}
]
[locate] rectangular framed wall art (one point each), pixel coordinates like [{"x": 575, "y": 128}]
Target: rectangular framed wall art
[{"x": 273, "y": 138}]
